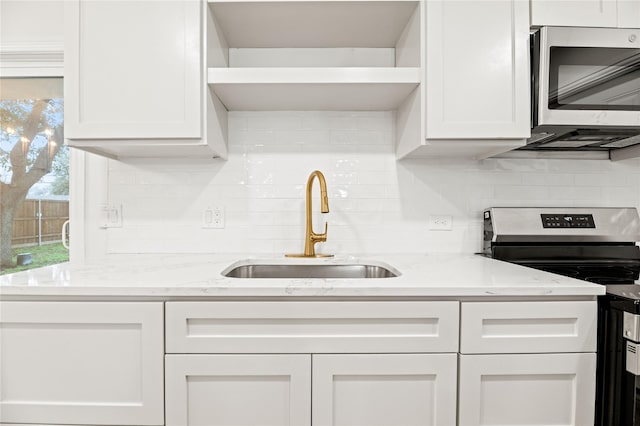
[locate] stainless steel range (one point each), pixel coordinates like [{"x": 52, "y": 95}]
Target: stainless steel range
[{"x": 592, "y": 244}]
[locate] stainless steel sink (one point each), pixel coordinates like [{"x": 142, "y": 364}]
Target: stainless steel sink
[{"x": 309, "y": 271}]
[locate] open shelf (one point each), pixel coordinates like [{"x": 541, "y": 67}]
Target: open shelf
[
  {"x": 315, "y": 55},
  {"x": 325, "y": 23},
  {"x": 312, "y": 88}
]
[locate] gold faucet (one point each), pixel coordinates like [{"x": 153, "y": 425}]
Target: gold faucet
[{"x": 310, "y": 237}]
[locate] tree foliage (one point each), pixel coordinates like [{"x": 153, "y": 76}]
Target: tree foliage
[
  {"x": 31, "y": 133},
  {"x": 60, "y": 168}
]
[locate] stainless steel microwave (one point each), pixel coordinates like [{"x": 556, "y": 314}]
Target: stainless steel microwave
[{"x": 585, "y": 90}]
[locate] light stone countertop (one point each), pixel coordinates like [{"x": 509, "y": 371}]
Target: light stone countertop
[{"x": 199, "y": 275}]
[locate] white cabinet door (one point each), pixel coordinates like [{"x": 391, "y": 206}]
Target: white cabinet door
[
  {"x": 81, "y": 363},
  {"x": 133, "y": 69},
  {"x": 544, "y": 389},
  {"x": 233, "y": 390},
  {"x": 477, "y": 70},
  {"x": 629, "y": 13},
  {"x": 388, "y": 389},
  {"x": 574, "y": 13}
]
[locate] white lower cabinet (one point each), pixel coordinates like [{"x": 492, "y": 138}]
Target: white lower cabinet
[
  {"x": 527, "y": 389},
  {"x": 315, "y": 363},
  {"x": 89, "y": 363},
  {"x": 233, "y": 390},
  {"x": 366, "y": 389},
  {"x": 527, "y": 363},
  {"x": 384, "y": 389},
  {"x": 320, "y": 363}
]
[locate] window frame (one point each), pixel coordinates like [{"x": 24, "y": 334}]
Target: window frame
[{"x": 46, "y": 59}]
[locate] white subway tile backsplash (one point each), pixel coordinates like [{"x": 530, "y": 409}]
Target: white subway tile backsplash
[
  {"x": 575, "y": 193},
  {"x": 377, "y": 204},
  {"x": 527, "y": 193},
  {"x": 548, "y": 179}
]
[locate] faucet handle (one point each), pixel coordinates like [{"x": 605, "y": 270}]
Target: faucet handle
[{"x": 317, "y": 238}]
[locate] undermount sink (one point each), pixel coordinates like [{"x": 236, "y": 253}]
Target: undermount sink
[{"x": 354, "y": 271}]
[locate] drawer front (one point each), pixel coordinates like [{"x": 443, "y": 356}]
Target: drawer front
[
  {"x": 311, "y": 327},
  {"x": 528, "y": 327}
]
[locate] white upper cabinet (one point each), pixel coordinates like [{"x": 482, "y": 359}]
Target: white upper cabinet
[
  {"x": 476, "y": 92},
  {"x": 134, "y": 78},
  {"x": 628, "y": 13},
  {"x": 586, "y": 13},
  {"x": 157, "y": 77}
]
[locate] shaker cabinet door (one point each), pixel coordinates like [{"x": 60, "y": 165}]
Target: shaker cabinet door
[
  {"x": 574, "y": 13},
  {"x": 628, "y": 14},
  {"x": 133, "y": 69},
  {"x": 477, "y": 69},
  {"x": 234, "y": 390},
  {"x": 384, "y": 389},
  {"x": 540, "y": 389}
]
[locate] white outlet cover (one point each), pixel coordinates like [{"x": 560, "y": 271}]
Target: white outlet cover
[
  {"x": 213, "y": 217},
  {"x": 440, "y": 223},
  {"x": 111, "y": 216}
]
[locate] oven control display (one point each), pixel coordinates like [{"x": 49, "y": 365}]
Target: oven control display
[{"x": 567, "y": 221}]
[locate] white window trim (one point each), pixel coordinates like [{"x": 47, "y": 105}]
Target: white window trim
[
  {"x": 46, "y": 59},
  {"x": 32, "y": 59}
]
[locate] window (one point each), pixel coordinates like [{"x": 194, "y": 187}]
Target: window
[{"x": 34, "y": 173}]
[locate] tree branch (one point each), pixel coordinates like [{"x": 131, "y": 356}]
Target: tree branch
[{"x": 31, "y": 127}]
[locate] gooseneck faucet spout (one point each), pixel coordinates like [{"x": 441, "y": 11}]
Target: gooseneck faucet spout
[{"x": 311, "y": 238}]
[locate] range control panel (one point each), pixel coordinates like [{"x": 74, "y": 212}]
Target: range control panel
[{"x": 567, "y": 221}]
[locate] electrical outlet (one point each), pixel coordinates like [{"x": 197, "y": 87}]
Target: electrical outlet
[
  {"x": 111, "y": 216},
  {"x": 440, "y": 223},
  {"x": 213, "y": 217}
]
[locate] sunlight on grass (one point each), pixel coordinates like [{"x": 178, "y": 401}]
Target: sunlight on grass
[{"x": 44, "y": 255}]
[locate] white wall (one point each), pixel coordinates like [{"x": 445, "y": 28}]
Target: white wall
[{"x": 378, "y": 205}]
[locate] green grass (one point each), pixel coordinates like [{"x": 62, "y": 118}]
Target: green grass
[{"x": 44, "y": 255}]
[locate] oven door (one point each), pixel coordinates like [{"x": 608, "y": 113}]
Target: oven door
[
  {"x": 587, "y": 77},
  {"x": 630, "y": 395},
  {"x": 617, "y": 378}
]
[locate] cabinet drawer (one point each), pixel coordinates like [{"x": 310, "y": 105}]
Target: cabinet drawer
[
  {"x": 305, "y": 327},
  {"x": 528, "y": 327}
]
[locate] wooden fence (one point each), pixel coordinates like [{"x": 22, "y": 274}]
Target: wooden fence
[{"x": 39, "y": 221}]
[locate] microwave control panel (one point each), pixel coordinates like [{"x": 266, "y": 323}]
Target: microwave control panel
[{"x": 567, "y": 221}]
